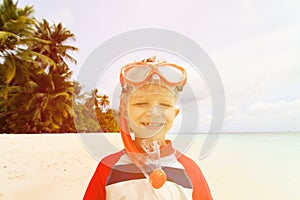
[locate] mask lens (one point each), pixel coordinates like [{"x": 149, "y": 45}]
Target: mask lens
[
  {"x": 137, "y": 73},
  {"x": 170, "y": 73}
]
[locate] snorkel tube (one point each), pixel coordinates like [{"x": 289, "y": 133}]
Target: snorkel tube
[{"x": 126, "y": 138}]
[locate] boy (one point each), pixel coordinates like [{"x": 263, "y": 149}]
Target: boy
[{"x": 147, "y": 108}]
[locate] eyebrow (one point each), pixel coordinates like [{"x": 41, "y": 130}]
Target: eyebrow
[{"x": 145, "y": 100}]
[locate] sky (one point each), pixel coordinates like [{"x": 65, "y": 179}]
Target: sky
[{"x": 253, "y": 44}]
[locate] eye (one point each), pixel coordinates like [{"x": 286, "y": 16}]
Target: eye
[
  {"x": 166, "y": 105},
  {"x": 140, "y": 104}
]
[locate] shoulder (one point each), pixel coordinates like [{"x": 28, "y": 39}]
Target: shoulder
[
  {"x": 187, "y": 162},
  {"x": 111, "y": 159},
  {"x": 200, "y": 187},
  {"x": 190, "y": 166},
  {"x": 106, "y": 165},
  {"x": 96, "y": 187}
]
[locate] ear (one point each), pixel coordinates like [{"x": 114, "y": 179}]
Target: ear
[{"x": 176, "y": 111}]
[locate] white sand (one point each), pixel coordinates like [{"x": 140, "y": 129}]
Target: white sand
[
  {"x": 57, "y": 166},
  {"x": 43, "y": 167}
]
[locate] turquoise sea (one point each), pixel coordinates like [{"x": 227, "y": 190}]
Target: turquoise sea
[
  {"x": 244, "y": 166},
  {"x": 252, "y": 166}
]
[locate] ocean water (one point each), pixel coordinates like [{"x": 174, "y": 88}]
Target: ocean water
[
  {"x": 243, "y": 166},
  {"x": 251, "y": 165}
]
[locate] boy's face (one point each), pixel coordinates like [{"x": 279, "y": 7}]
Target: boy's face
[{"x": 151, "y": 111}]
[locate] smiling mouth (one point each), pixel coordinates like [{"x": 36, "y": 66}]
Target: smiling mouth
[{"x": 152, "y": 125}]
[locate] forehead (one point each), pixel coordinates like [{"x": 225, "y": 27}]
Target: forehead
[{"x": 153, "y": 90}]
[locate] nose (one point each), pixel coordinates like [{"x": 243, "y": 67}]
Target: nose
[
  {"x": 155, "y": 112},
  {"x": 155, "y": 78}
]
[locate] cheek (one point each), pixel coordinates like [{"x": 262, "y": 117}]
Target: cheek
[
  {"x": 136, "y": 112},
  {"x": 170, "y": 115}
]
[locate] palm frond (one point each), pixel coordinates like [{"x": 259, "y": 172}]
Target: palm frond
[
  {"x": 14, "y": 89},
  {"x": 8, "y": 36},
  {"x": 30, "y": 56},
  {"x": 10, "y": 69},
  {"x": 33, "y": 98},
  {"x": 70, "y": 58},
  {"x": 18, "y": 26},
  {"x": 62, "y": 94}
]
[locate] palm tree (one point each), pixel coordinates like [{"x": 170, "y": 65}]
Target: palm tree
[
  {"x": 16, "y": 37},
  {"x": 57, "y": 50},
  {"x": 84, "y": 107},
  {"x": 55, "y": 86},
  {"x": 104, "y": 102},
  {"x": 36, "y": 94},
  {"x": 15, "y": 27},
  {"x": 106, "y": 117}
]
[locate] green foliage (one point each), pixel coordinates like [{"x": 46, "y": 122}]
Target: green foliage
[
  {"x": 106, "y": 117},
  {"x": 85, "y": 120},
  {"x": 92, "y": 114},
  {"x": 107, "y": 121},
  {"x": 36, "y": 94}
]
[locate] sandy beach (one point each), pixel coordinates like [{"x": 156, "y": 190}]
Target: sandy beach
[
  {"x": 58, "y": 166},
  {"x": 43, "y": 167}
]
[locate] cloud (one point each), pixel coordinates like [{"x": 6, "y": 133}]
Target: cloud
[
  {"x": 275, "y": 110},
  {"x": 264, "y": 116}
]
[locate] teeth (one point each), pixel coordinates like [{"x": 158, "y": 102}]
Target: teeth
[{"x": 152, "y": 124}]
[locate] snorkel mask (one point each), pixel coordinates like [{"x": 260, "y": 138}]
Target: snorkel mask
[
  {"x": 139, "y": 73},
  {"x": 147, "y": 75}
]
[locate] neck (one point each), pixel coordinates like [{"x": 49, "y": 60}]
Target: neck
[{"x": 139, "y": 141}]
